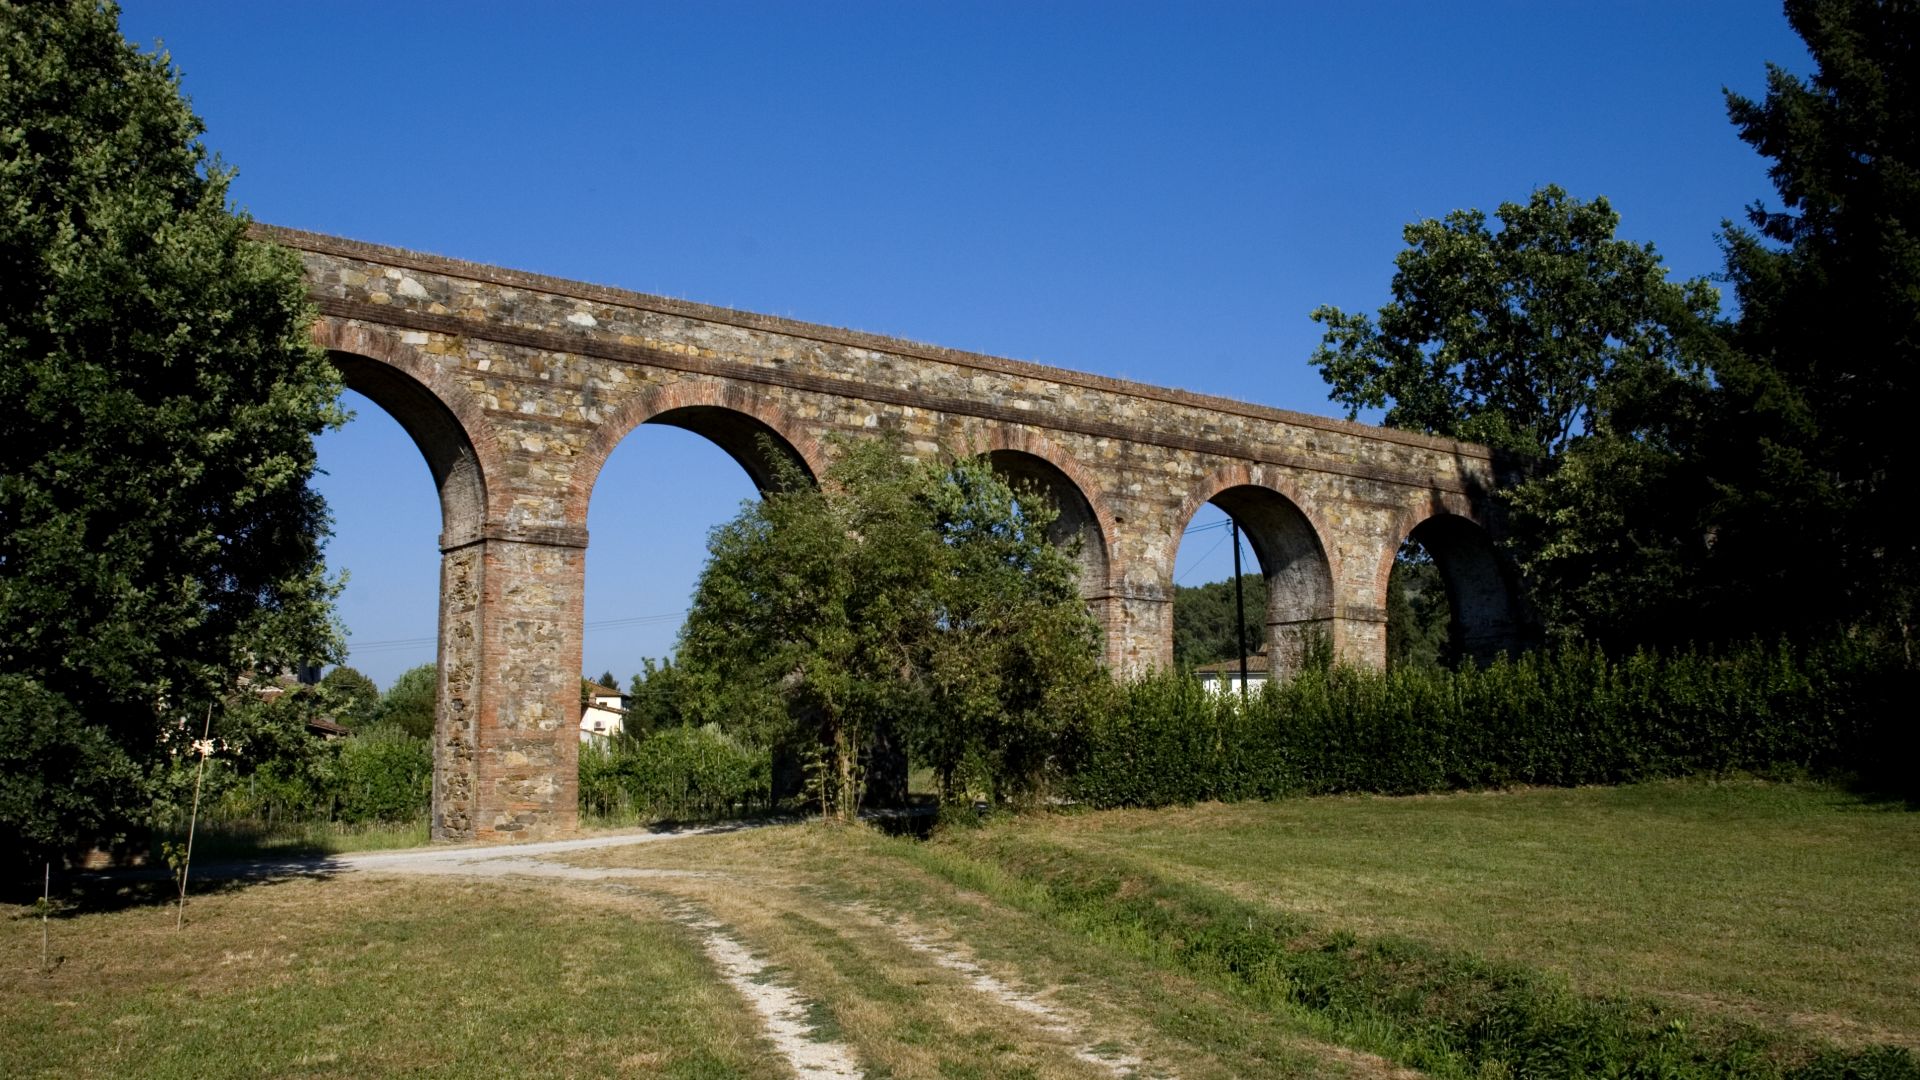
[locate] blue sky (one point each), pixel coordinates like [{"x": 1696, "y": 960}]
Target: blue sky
[{"x": 1156, "y": 192}]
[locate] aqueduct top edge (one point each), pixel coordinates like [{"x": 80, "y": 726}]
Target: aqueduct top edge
[{"x": 402, "y": 258}]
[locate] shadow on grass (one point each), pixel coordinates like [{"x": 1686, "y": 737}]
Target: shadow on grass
[
  {"x": 1883, "y": 794},
  {"x": 104, "y": 891}
]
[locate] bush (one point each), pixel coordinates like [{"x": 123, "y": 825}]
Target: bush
[
  {"x": 383, "y": 774},
  {"x": 675, "y": 773},
  {"x": 1562, "y": 718}
]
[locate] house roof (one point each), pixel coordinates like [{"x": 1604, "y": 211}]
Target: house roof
[{"x": 326, "y": 725}]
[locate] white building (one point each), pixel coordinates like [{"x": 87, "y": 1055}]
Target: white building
[
  {"x": 1225, "y": 675},
  {"x": 602, "y": 717}
]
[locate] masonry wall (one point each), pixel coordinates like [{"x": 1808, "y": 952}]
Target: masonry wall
[{"x": 544, "y": 377}]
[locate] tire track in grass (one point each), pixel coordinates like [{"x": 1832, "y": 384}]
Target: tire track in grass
[
  {"x": 783, "y": 1012},
  {"x": 1102, "y": 1052}
]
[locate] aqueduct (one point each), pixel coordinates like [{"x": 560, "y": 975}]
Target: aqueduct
[{"x": 516, "y": 387}]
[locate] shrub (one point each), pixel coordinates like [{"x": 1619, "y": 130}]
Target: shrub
[
  {"x": 383, "y": 774},
  {"x": 675, "y": 773}
]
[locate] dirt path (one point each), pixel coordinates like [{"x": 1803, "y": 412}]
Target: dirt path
[{"x": 782, "y": 1007}]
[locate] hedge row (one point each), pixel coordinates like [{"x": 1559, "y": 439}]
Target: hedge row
[{"x": 1551, "y": 718}]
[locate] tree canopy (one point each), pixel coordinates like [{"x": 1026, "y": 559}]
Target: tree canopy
[
  {"x": 1515, "y": 338},
  {"x": 409, "y": 703},
  {"x": 1694, "y": 479},
  {"x": 1811, "y": 457},
  {"x": 1554, "y": 340},
  {"x": 160, "y": 396},
  {"x": 895, "y": 602}
]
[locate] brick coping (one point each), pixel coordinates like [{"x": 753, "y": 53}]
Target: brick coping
[{"x": 323, "y": 244}]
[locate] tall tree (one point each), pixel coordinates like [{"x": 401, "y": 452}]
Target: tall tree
[
  {"x": 353, "y": 697},
  {"x": 1014, "y": 653},
  {"x": 1513, "y": 337},
  {"x": 159, "y": 395},
  {"x": 1812, "y": 458},
  {"x": 896, "y": 602},
  {"x": 1554, "y": 340},
  {"x": 814, "y": 602},
  {"x": 409, "y": 703}
]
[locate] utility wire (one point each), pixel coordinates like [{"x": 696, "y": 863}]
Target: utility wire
[{"x": 397, "y": 644}]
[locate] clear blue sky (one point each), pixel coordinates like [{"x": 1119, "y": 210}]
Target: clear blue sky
[{"x": 1157, "y": 192}]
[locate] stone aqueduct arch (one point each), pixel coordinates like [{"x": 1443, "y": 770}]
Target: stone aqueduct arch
[{"x": 516, "y": 387}]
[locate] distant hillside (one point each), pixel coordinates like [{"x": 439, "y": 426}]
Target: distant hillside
[
  {"x": 1417, "y": 616},
  {"x": 1203, "y": 620}
]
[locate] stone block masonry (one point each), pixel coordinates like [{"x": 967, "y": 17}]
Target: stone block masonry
[{"x": 516, "y": 387}]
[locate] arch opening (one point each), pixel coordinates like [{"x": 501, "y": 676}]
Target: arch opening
[
  {"x": 653, "y": 496},
  {"x": 1483, "y": 615},
  {"x": 1298, "y": 575},
  {"x": 436, "y": 432},
  {"x": 748, "y": 440},
  {"x": 1077, "y": 524}
]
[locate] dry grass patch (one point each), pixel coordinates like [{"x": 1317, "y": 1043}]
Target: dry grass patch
[{"x": 361, "y": 977}]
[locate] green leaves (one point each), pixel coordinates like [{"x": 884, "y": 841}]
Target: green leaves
[
  {"x": 1829, "y": 334},
  {"x": 898, "y": 600},
  {"x": 1510, "y": 337},
  {"x": 160, "y": 393}
]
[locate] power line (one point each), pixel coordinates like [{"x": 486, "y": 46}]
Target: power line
[{"x": 397, "y": 644}]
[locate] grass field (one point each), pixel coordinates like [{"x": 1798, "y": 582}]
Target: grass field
[
  {"x": 1088, "y": 945},
  {"x": 1788, "y": 904}
]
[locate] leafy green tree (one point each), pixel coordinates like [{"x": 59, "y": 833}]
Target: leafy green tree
[
  {"x": 1811, "y": 455},
  {"x": 353, "y": 697},
  {"x": 1014, "y": 655},
  {"x": 1515, "y": 338},
  {"x": 159, "y": 394},
  {"x": 665, "y": 695},
  {"x": 895, "y": 602},
  {"x": 814, "y": 602},
  {"x": 1557, "y": 342},
  {"x": 409, "y": 702}
]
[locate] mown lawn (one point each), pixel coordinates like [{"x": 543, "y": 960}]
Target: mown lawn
[
  {"x": 1789, "y": 904},
  {"x": 1678, "y": 929}
]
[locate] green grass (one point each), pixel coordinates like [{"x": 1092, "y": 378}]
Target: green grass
[
  {"x": 217, "y": 841},
  {"x": 1791, "y": 905},
  {"x": 355, "y": 978}
]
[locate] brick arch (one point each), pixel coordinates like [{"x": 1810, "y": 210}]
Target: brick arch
[
  {"x": 660, "y": 400},
  {"x": 444, "y": 421},
  {"x": 1242, "y": 474},
  {"x": 1482, "y": 589},
  {"x": 1022, "y": 440},
  {"x": 1434, "y": 504},
  {"x": 1296, "y": 560}
]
